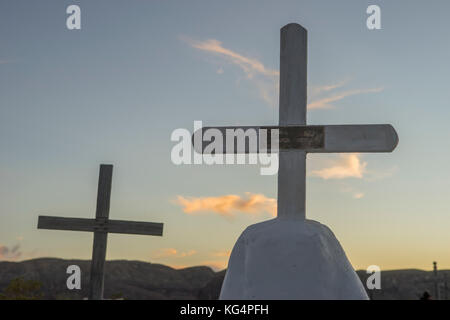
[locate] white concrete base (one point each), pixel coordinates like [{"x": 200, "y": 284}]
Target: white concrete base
[{"x": 290, "y": 258}]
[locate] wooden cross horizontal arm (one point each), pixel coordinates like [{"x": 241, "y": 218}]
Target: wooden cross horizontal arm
[
  {"x": 315, "y": 139},
  {"x": 99, "y": 225}
]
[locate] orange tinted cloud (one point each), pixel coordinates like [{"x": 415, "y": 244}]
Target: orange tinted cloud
[
  {"x": 172, "y": 252},
  {"x": 324, "y": 103},
  {"x": 316, "y": 90},
  {"x": 264, "y": 78},
  {"x": 346, "y": 166},
  {"x": 358, "y": 195},
  {"x": 355, "y": 194},
  {"x": 225, "y": 253},
  {"x": 250, "y": 66},
  {"x": 229, "y": 205},
  {"x": 213, "y": 264}
]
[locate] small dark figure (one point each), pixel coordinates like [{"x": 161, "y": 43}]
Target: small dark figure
[{"x": 425, "y": 296}]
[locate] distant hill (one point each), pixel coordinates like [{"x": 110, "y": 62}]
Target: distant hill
[
  {"x": 143, "y": 280},
  {"x": 131, "y": 279},
  {"x": 407, "y": 284}
]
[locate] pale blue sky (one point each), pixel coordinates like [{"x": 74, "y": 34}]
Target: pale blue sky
[{"x": 114, "y": 91}]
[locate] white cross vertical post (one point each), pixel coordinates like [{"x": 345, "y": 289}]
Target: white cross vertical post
[{"x": 292, "y": 112}]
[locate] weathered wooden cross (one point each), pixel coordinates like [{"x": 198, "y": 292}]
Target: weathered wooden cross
[
  {"x": 296, "y": 138},
  {"x": 101, "y": 226}
]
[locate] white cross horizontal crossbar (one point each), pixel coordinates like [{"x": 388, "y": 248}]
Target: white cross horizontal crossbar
[
  {"x": 99, "y": 225},
  {"x": 323, "y": 139}
]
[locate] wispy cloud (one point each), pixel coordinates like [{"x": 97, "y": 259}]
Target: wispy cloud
[
  {"x": 375, "y": 175},
  {"x": 266, "y": 80},
  {"x": 326, "y": 102},
  {"x": 216, "y": 260},
  {"x": 358, "y": 195},
  {"x": 250, "y": 66},
  {"x": 263, "y": 78},
  {"x": 348, "y": 166},
  {"x": 229, "y": 205},
  {"x": 355, "y": 194},
  {"x": 345, "y": 166},
  {"x": 172, "y": 253},
  {"x": 10, "y": 253},
  {"x": 223, "y": 253},
  {"x": 313, "y": 91},
  {"x": 213, "y": 264},
  {"x": 3, "y": 61}
]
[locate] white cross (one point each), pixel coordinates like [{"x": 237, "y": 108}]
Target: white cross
[{"x": 296, "y": 139}]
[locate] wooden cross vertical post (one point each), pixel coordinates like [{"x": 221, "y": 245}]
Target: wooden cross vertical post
[
  {"x": 101, "y": 226},
  {"x": 100, "y": 237}
]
